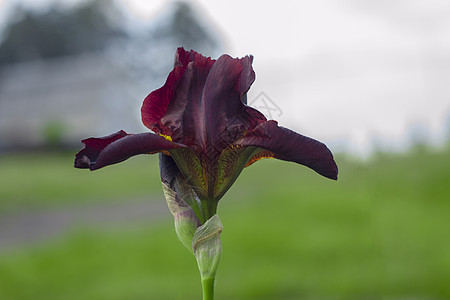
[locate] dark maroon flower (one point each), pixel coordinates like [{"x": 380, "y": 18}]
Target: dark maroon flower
[{"x": 200, "y": 118}]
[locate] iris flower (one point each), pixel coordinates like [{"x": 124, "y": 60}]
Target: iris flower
[{"x": 206, "y": 134}]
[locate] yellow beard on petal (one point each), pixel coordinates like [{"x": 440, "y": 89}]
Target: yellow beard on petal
[{"x": 167, "y": 137}]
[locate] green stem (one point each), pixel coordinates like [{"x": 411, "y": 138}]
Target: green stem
[
  {"x": 198, "y": 212},
  {"x": 209, "y": 209},
  {"x": 208, "y": 289}
]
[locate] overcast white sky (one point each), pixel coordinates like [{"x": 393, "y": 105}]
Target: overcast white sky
[{"x": 347, "y": 72}]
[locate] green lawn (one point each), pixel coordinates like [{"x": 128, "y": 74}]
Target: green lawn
[
  {"x": 40, "y": 180},
  {"x": 380, "y": 231}
]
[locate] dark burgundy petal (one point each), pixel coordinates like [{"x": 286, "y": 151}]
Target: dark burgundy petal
[
  {"x": 288, "y": 145},
  {"x": 247, "y": 75},
  {"x": 157, "y": 102},
  {"x": 101, "y": 152},
  {"x": 183, "y": 57},
  {"x": 202, "y": 104},
  {"x": 183, "y": 117},
  {"x": 93, "y": 147},
  {"x": 226, "y": 116},
  {"x": 168, "y": 170}
]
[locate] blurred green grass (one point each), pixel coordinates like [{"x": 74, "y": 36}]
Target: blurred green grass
[
  {"x": 42, "y": 180},
  {"x": 380, "y": 231}
]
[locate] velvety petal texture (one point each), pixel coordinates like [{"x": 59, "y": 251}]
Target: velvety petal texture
[
  {"x": 201, "y": 103},
  {"x": 157, "y": 102},
  {"x": 208, "y": 134},
  {"x": 115, "y": 148},
  {"x": 86, "y": 158},
  {"x": 285, "y": 144}
]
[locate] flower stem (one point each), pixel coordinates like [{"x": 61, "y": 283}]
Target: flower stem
[
  {"x": 208, "y": 289},
  {"x": 209, "y": 209}
]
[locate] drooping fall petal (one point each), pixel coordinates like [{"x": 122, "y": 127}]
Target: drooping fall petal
[
  {"x": 285, "y": 144},
  {"x": 93, "y": 147},
  {"x": 101, "y": 152}
]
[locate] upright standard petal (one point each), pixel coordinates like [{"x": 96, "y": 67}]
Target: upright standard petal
[
  {"x": 157, "y": 102},
  {"x": 282, "y": 143},
  {"x": 183, "y": 119},
  {"x": 203, "y": 102},
  {"x": 225, "y": 115},
  {"x": 115, "y": 148}
]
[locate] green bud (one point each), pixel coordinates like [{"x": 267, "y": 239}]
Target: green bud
[
  {"x": 186, "y": 221},
  {"x": 208, "y": 247}
]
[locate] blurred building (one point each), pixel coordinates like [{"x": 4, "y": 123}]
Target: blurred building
[
  {"x": 51, "y": 97},
  {"x": 58, "y": 100}
]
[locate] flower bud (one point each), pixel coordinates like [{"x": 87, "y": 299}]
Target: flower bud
[
  {"x": 186, "y": 221},
  {"x": 208, "y": 247}
]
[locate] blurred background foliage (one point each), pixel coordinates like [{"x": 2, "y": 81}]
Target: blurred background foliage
[
  {"x": 380, "y": 231},
  {"x": 59, "y": 32}
]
